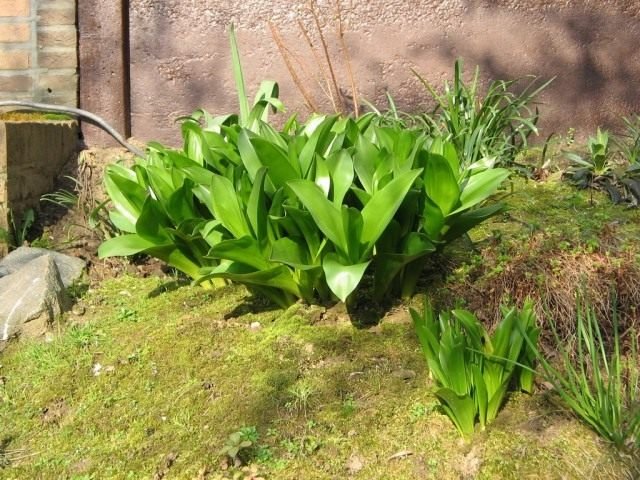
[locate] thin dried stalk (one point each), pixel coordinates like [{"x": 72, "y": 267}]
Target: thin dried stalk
[
  {"x": 286, "y": 56},
  {"x": 325, "y": 49},
  {"x": 328, "y": 91},
  {"x": 347, "y": 59}
]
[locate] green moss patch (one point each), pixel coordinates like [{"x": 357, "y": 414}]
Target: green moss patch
[{"x": 151, "y": 382}]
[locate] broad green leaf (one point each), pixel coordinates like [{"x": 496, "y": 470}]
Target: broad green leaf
[
  {"x": 365, "y": 160},
  {"x": 124, "y": 245},
  {"x": 463, "y": 222},
  {"x": 326, "y": 215},
  {"x": 257, "y": 208},
  {"x": 342, "y": 279},
  {"x": 382, "y": 206},
  {"x": 248, "y": 154},
  {"x": 279, "y": 170},
  {"x": 341, "y": 167},
  {"x": 180, "y": 206},
  {"x": 152, "y": 223},
  {"x": 292, "y": 252},
  {"x": 307, "y": 227},
  {"x": 388, "y": 265},
  {"x": 480, "y": 186},
  {"x": 276, "y": 277},
  {"x": 226, "y": 208},
  {"x": 242, "y": 250},
  {"x": 460, "y": 409},
  {"x": 440, "y": 183},
  {"x": 452, "y": 359},
  {"x": 127, "y": 196},
  {"x": 322, "y": 177},
  {"x": 319, "y": 138},
  {"x": 480, "y": 396}
]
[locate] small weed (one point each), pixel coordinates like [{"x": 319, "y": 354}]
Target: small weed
[
  {"x": 127, "y": 315},
  {"x": 420, "y": 410},
  {"x": 300, "y": 393},
  {"x": 349, "y": 406},
  {"x": 238, "y": 447},
  {"x": 83, "y": 336}
]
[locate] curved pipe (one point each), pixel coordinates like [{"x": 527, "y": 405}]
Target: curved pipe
[{"x": 89, "y": 117}]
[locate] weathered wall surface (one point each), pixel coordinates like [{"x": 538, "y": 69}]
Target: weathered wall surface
[
  {"x": 180, "y": 55},
  {"x": 104, "y": 75},
  {"x": 32, "y": 155},
  {"x": 38, "y": 59}
]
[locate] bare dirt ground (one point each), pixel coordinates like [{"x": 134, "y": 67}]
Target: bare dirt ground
[{"x": 72, "y": 231}]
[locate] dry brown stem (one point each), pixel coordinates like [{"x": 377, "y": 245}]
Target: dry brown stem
[
  {"x": 325, "y": 49},
  {"x": 286, "y": 56},
  {"x": 347, "y": 60}
]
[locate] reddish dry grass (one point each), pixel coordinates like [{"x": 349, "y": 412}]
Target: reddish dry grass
[{"x": 554, "y": 279}]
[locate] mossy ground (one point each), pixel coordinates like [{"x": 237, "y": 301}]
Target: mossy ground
[{"x": 155, "y": 376}]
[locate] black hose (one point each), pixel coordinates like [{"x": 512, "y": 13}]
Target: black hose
[{"x": 89, "y": 117}]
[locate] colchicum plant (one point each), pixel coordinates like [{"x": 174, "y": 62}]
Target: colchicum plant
[
  {"x": 473, "y": 369},
  {"x": 302, "y": 212}
]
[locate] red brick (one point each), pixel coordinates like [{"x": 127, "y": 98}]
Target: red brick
[
  {"x": 57, "y": 38},
  {"x": 16, "y": 83},
  {"x": 14, "y": 8},
  {"x": 15, "y": 60},
  {"x": 57, "y": 16},
  {"x": 58, "y": 60},
  {"x": 15, "y": 32}
]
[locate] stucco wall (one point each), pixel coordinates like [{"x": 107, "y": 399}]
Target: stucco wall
[{"x": 180, "y": 55}]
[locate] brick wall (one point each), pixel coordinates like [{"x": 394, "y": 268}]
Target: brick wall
[{"x": 38, "y": 51}]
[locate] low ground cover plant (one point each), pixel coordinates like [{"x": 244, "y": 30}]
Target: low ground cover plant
[
  {"x": 610, "y": 163},
  {"x": 302, "y": 212},
  {"x": 473, "y": 369},
  {"x": 598, "y": 378}
]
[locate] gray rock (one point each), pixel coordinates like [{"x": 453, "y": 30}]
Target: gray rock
[
  {"x": 70, "y": 268},
  {"x": 31, "y": 299}
]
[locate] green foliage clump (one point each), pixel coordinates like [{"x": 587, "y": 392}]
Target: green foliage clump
[
  {"x": 495, "y": 126},
  {"x": 611, "y": 164},
  {"x": 473, "y": 369},
  {"x": 598, "y": 382},
  {"x": 16, "y": 234},
  {"x": 300, "y": 213}
]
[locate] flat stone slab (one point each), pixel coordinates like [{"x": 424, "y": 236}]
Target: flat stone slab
[
  {"x": 70, "y": 268},
  {"x": 31, "y": 299}
]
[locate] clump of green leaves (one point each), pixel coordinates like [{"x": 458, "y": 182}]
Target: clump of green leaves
[
  {"x": 495, "y": 126},
  {"x": 473, "y": 369},
  {"x": 300, "y": 213},
  {"x": 628, "y": 142},
  {"x": 597, "y": 380},
  {"x": 239, "y": 444},
  {"x": 16, "y": 234},
  {"x": 610, "y": 164}
]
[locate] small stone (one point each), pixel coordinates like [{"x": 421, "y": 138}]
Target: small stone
[
  {"x": 255, "y": 326},
  {"x": 354, "y": 464},
  {"x": 78, "y": 310},
  {"x": 351, "y": 433},
  {"x": 96, "y": 370},
  {"x": 404, "y": 374},
  {"x": 400, "y": 455}
]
